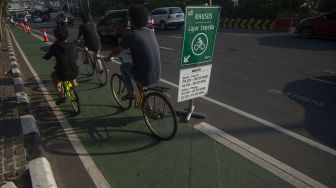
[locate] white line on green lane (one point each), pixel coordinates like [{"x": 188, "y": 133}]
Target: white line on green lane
[{"x": 267, "y": 162}]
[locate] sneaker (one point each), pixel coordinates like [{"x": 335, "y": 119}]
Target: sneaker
[{"x": 60, "y": 100}]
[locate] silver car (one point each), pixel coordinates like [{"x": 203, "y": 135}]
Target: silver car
[{"x": 165, "y": 17}]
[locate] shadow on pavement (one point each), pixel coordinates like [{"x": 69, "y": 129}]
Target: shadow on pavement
[
  {"x": 294, "y": 42},
  {"x": 96, "y": 134},
  {"x": 319, "y": 101}
]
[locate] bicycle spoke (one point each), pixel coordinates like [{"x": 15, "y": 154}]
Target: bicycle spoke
[{"x": 159, "y": 116}]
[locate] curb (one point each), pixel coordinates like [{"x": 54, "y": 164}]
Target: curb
[{"x": 39, "y": 167}]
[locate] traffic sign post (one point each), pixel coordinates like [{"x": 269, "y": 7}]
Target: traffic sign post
[{"x": 200, "y": 30}]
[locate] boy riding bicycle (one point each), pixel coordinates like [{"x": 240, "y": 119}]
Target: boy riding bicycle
[
  {"x": 146, "y": 66},
  {"x": 66, "y": 56}
]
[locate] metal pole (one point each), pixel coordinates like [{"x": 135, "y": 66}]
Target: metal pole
[
  {"x": 88, "y": 4},
  {"x": 210, "y": 2}
]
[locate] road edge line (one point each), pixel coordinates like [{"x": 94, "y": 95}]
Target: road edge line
[
  {"x": 88, "y": 163},
  {"x": 260, "y": 158}
]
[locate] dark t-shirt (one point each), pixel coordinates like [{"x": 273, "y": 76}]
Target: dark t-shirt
[
  {"x": 145, "y": 55},
  {"x": 66, "y": 56},
  {"x": 90, "y": 35}
]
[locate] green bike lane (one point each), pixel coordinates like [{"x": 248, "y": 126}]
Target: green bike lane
[{"x": 129, "y": 156}]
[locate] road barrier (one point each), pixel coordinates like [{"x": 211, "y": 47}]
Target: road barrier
[
  {"x": 39, "y": 167},
  {"x": 283, "y": 24},
  {"x": 279, "y": 24}
]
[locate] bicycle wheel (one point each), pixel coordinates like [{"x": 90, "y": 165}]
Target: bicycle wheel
[
  {"x": 87, "y": 64},
  {"x": 119, "y": 90},
  {"x": 159, "y": 116},
  {"x": 101, "y": 74},
  {"x": 74, "y": 100}
]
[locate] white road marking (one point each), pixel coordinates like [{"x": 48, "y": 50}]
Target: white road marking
[
  {"x": 266, "y": 123},
  {"x": 237, "y": 34},
  {"x": 171, "y": 49},
  {"x": 90, "y": 166},
  {"x": 323, "y": 81},
  {"x": 178, "y": 37},
  {"x": 267, "y": 162},
  {"x": 275, "y": 91}
]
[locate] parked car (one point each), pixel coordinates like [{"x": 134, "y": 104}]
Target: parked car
[
  {"x": 323, "y": 25},
  {"x": 37, "y": 19},
  {"x": 45, "y": 18},
  {"x": 165, "y": 17},
  {"x": 67, "y": 15},
  {"x": 114, "y": 23}
]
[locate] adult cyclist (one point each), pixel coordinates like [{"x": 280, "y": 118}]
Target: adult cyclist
[
  {"x": 91, "y": 38},
  {"x": 61, "y": 21},
  {"x": 146, "y": 66}
]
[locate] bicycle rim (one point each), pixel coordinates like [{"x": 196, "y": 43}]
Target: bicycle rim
[
  {"x": 119, "y": 90},
  {"x": 159, "y": 116},
  {"x": 74, "y": 100},
  {"x": 87, "y": 65},
  {"x": 102, "y": 75}
]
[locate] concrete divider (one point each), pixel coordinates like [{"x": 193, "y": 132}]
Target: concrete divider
[
  {"x": 261, "y": 24},
  {"x": 39, "y": 167}
]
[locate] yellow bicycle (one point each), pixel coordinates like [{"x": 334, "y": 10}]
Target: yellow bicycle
[{"x": 158, "y": 113}]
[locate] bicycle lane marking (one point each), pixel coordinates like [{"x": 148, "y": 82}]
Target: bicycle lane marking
[
  {"x": 265, "y": 123},
  {"x": 90, "y": 166},
  {"x": 269, "y": 163}
]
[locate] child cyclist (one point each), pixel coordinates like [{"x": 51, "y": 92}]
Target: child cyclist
[{"x": 66, "y": 56}]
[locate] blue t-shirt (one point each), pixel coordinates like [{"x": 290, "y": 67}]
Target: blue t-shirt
[{"x": 145, "y": 55}]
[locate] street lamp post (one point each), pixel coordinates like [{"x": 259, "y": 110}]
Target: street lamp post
[{"x": 88, "y": 4}]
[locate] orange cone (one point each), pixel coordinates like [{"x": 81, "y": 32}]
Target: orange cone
[
  {"x": 45, "y": 37},
  {"x": 28, "y": 30}
]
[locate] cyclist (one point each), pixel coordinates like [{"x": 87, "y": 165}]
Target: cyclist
[
  {"x": 146, "y": 66},
  {"x": 66, "y": 56},
  {"x": 62, "y": 21},
  {"x": 91, "y": 38}
]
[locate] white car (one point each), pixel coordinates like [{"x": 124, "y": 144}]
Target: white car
[
  {"x": 37, "y": 19},
  {"x": 165, "y": 17}
]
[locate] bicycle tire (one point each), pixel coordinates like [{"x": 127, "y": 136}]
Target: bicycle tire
[
  {"x": 166, "y": 127},
  {"x": 74, "y": 100},
  {"x": 87, "y": 65},
  {"x": 119, "y": 90},
  {"x": 102, "y": 76}
]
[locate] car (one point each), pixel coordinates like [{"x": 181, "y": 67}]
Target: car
[
  {"x": 67, "y": 15},
  {"x": 165, "y": 17},
  {"x": 323, "y": 25},
  {"x": 45, "y": 18},
  {"x": 114, "y": 23},
  {"x": 37, "y": 19}
]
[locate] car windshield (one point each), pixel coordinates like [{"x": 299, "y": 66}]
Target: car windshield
[{"x": 175, "y": 10}]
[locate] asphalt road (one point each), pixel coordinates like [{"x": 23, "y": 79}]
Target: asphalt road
[{"x": 274, "y": 91}]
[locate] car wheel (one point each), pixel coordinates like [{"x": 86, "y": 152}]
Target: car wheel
[
  {"x": 162, "y": 25},
  {"x": 306, "y": 32}
]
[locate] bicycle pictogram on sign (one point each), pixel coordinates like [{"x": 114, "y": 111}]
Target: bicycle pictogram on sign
[{"x": 199, "y": 44}]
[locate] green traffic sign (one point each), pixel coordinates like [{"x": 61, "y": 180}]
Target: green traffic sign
[{"x": 200, "y": 29}]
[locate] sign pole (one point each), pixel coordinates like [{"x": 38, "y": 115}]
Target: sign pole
[
  {"x": 200, "y": 29},
  {"x": 190, "y": 111}
]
